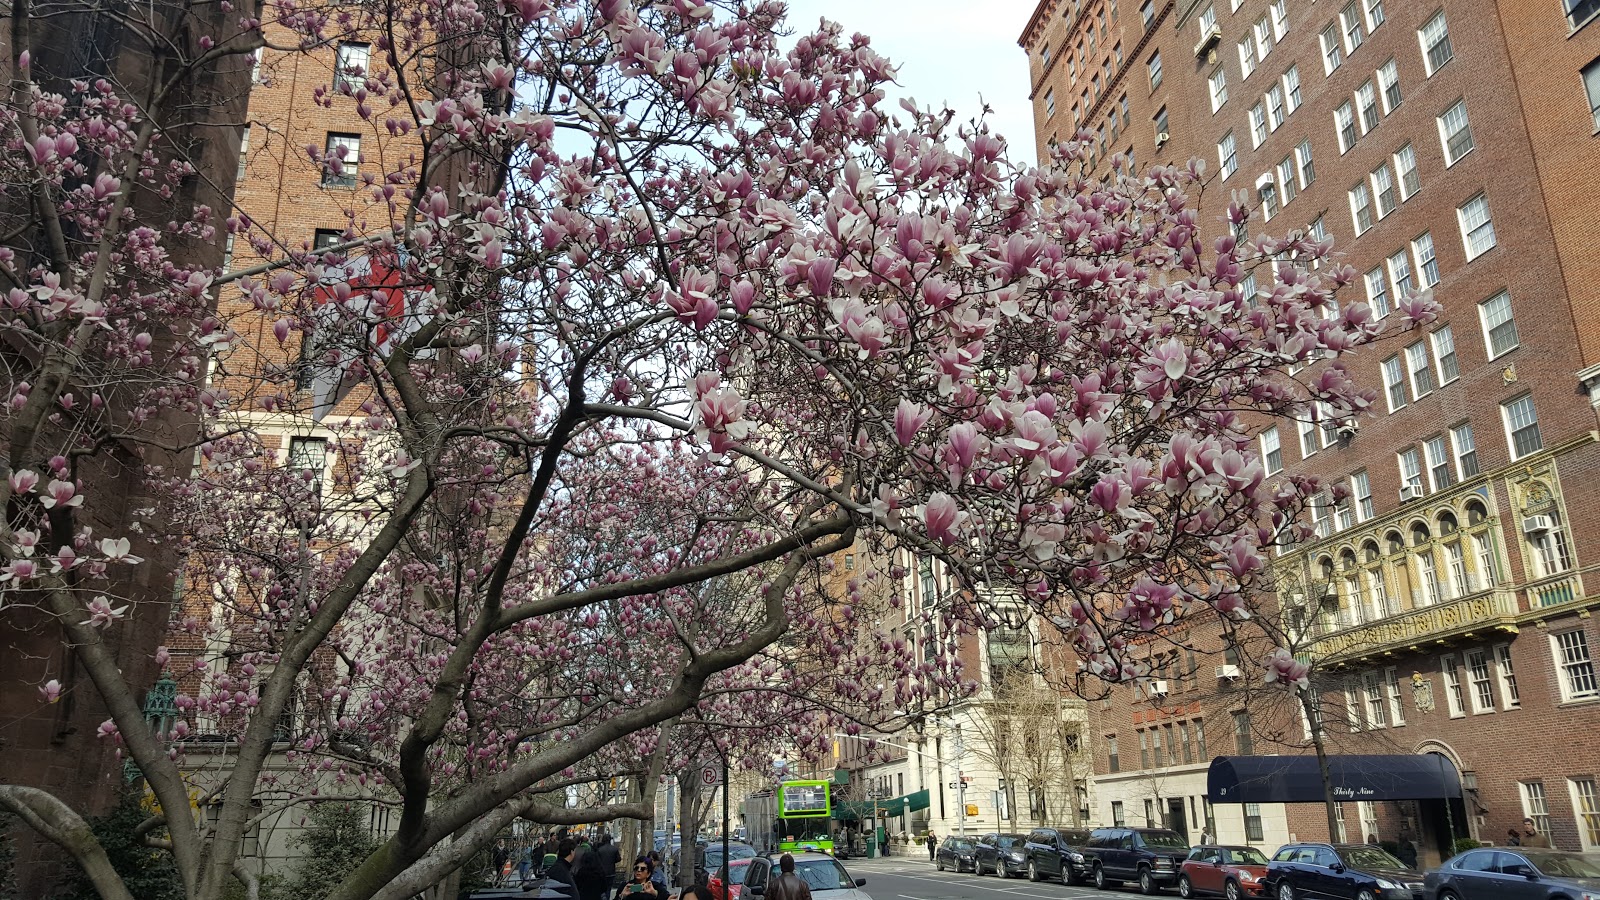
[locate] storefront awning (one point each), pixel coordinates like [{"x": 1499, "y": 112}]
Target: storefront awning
[
  {"x": 1297, "y": 779},
  {"x": 887, "y": 808},
  {"x": 918, "y": 800}
]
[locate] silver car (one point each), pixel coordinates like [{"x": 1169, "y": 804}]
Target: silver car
[
  {"x": 825, "y": 876},
  {"x": 1514, "y": 873}
]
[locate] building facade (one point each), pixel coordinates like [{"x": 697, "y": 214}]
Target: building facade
[{"x": 1446, "y": 605}]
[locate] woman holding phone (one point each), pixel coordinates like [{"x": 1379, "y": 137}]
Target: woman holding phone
[{"x": 640, "y": 887}]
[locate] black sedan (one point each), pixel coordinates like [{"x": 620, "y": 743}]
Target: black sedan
[
  {"x": 1340, "y": 872},
  {"x": 956, "y": 853},
  {"x": 1514, "y": 873},
  {"x": 1001, "y": 854}
]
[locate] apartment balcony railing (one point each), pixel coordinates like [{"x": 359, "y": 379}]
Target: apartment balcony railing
[
  {"x": 1465, "y": 615},
  {"x": 1555, "y": 591}
]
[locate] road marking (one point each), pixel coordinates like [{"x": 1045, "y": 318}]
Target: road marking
[{"x": 1021, "y": 891}]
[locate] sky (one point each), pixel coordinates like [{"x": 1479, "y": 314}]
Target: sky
[{"x": 962, "y": 53}]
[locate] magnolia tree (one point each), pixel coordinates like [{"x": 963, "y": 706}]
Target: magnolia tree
[{"x": 674, "y": 308}]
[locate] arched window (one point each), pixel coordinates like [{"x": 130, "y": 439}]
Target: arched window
[
  {"x": 1419, "y": 534},
  {"x": 1325, "y": 566},
  {"x": 1395, "y": 544},
  {"x": 1447, "y": 522},
  {"x": 1347, "y": 560},
  {"x": 1476, "y": 513},
  {"x": 1369, "y": 551}
]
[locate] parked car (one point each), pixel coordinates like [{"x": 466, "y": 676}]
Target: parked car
[
  {"x": 740, "y": 869},
  {"x": 822, "y": 873},
  {"x": 1340, "y": 872},
  {"x": 1234, "y": 872},
  {"x": 1149, "y": 856},
  {"x": 1002, "y": 854},
  {"x": 1514, "y": 873},
  {"x": 1056, "y": 853},
  {"x": 956, "y": 853}
]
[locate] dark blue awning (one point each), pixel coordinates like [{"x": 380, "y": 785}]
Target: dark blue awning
[{"x": 1296, "y": 779}]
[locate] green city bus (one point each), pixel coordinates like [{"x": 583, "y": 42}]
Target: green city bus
[{"x": 805, "y": 813}]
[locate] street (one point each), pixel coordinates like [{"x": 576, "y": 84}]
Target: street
[{"x": 914, "y": 878}]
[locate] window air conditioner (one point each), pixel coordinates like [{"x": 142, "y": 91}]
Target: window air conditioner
[
  {"x": 1158, "y": 688},
  {"x": 1537, "y": 524},
  {"x": 1162, "y": 138},
  {"x": 1227, "y": 672},
  {"x": 1411, "y": 492}
]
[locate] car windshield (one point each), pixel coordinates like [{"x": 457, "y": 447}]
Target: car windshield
[
  {"x": 1564, "y": 865},
  {"x": 960, "y": 845},
  {"x": 823, "y": 874},
  {"x": 1369, "y": 858},
  {"x": 1165, "y": 840},
  {"x": 735, "y": 851},
  {"x": 1007, "y": 841},
  {"x": 740, "y": 870},
  {"x": 1247, "y": 856}
]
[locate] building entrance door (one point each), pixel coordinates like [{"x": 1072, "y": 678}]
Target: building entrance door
[{"x": 1177, "y": 820}]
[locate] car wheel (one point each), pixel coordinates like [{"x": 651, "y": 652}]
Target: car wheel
[
  {"x": 1231, "y": 890},
  {"x": 1100, "y": 877},
  {"x": 1147, "y": 883},
  {"x": 938, "y": 865},
  {"x": 1068, "y": 876},
  {"x": 1448, "y": 895},
  {"x": 1285, "y": 891},
  {"x": 1033, "y": 870},
  {"x": 1185, "y": 887},
  {"x": 1365, "y": 895}
]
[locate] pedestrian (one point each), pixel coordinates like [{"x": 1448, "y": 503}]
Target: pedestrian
[
  {"x": 1531, "y": 836},
  {"x": 558, "y": 875},
  {"x": 524, "y": 863},
  {"x": 933, "y": 845},
  {"x": 658, "y": 872},
  {"x": 1512, "y": 838},
  {"x": 1407, "y": 851},
  {"x": 1205, "y": 837},
  {"x": 592, "y": 880},
  {"x": 610, "y": 858},
  {"x": 788, "y": 885},
  {"x": 640, "y": 887},
  {"x": 500, "y": 854}
]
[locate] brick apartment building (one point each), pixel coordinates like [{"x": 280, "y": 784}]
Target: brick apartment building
[{"x": 1447, "y": 144}]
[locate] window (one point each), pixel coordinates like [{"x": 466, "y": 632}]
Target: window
[
  {"x": 1591, "y": 86},
  {"x": 1427, "y": 263},
  {"x": 1275, "y": 113},
  {"x": 1499, "y": 328},
  {"x": 1482, "y": 685},
  {"x": 1264, "y": 38},
  {"x": 1344, "y": 121},
  {"x": 1287, "y": 188},
  {"x": 1579, "y": 12},
  {"x": 1361, "y": 207},
  {"x": 1417, "y": 367},
  {"x": 1522, "y": 426},
  {"x": 1372, "y": 689},
  {"x": 341, "y": 154},
  {"x": 1586, "y": 803},
  {"x": 1355, "y": 716},
  {"x": 1367, "y": 105},
  {"x": 1115, "y": 761},
  {"x": 309, "y": 454},
  {"x": 1258, "y": 125},
  {"x": 1483, "y": 550},
  {"x": 1280, "y": 19},
  {"x": 1271, "y": 451},
  {"x": 1044, "y": 55},
  {"x": 1428, "y": 570},
  {"x": 1389, "y": 86},
  {"x": 1378, "y": 294},
  {"x": 1144, "y": 749},
  {"x": 1400, "y": 273},
  {"x": 1394, "y": 387},
  {"x": 323, "y": 238},
  {"x": 1268, "y": 194},
  {"x": 1163, "y": 133},
  {"x": 1440, "y": 475},
  {"x": 1466, "y": 453},
  {"x": 1208, "y": 20},
  {"x": 1477, "y": 230},
  {"x": 1507, "y": 676},
  {"x": 1116, "y": 55},
  {"x": 1361, "y": 491},
  {"x": 1218, "y": 83},
  {"x": 1252, "y": 822},
  {"x": 1397, "y": 704},
  {"x": 1459, "y": 583},
  {"x": 1455, "y": 133},
  {"x": 1332, "y": 53},
  {"x": 1241, "y": 732},
  {"x": 1247, "y": 56},
  {"x": 1374, "y": 13},
  {"x": 1410, "y": 468},
  {"x": 1577, "y": 672},
  {"x": 1200, "y": 739},
  {"x": 1308, "y": 437},
  {"x": 1534, "y": 806},
  {"x": 1405, "y": 162},
  {"x": 1444, "y": 355},
  {"x": 1435, "y": 38},
  {"x": 1228, "y": 155},
  {"x": 350, "y": 65},
  {"x": 929, "y": 584},
  {"x": 1551, "y": 555},
  {"x": 1119, "y": 819},
  {"x": 1355, "y": 30},
  {"x": 1452, "y": 686},
  {"x": 1183, "y": 738},
  {"x": 1155, "y": 70},
  {"x": 1321, "y": 515},
  {"x": 1147, "y": 12},
  {"x": 1302, "y": 155},
  {"x": 1383, "y": 189},
  {"x": 1291, "y": 87}
]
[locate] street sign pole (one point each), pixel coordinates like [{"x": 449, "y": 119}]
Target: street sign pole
[{"x": 726, "y": 861}]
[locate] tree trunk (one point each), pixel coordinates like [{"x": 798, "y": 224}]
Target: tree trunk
[
  {"x": 1330, "y": 805},
  {"x": 687, "y": 855}
]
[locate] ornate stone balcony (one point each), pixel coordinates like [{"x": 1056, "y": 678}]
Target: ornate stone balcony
[{"x": 1473, "y": 614}]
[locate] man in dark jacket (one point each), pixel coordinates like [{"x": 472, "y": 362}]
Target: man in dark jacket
[
  {"x": 559, "y": 875},
  {"x": 593, "y": 879},
  {"x": 610, "y": 857},
  {"x": 788, "y": 885}
]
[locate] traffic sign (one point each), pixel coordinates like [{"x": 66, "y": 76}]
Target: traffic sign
[{"x": 711, "y": 776}]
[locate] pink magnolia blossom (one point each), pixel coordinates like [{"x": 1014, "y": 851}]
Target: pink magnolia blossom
[{"x": 50, "y": 691}]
